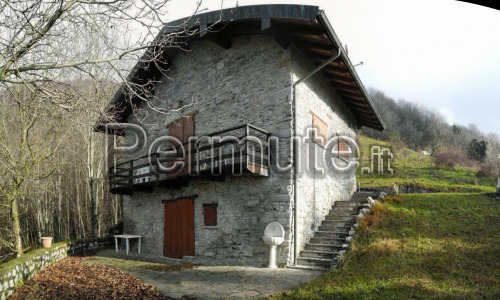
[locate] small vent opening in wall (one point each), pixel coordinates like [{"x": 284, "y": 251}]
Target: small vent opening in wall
[{"x": 210, "y": 214}]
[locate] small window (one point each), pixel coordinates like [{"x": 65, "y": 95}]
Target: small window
[
  {"x": 210, "y": 214},
  {"x": 343, "y": 148},
  {"x": 321, "y": 129}
]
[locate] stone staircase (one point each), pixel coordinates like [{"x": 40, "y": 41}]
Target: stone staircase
[{"x": 322, "y": 250}]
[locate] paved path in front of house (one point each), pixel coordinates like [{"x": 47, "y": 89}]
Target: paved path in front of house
[{"x": 215, "y": 282}]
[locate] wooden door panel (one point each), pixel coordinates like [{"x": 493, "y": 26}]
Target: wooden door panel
[
  {"x": 179, "y": 228},
  {"x": 188, "y": 227}
]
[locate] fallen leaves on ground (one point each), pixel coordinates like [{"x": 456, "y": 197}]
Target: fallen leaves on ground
[{"x": 71, "y": 278}]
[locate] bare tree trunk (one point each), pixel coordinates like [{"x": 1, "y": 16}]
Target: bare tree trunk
[
  {"x": 14, "y": 213},
  {"x": 93, "y": 206}
]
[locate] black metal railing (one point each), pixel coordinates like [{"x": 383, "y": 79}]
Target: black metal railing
[{"x": 230, "y": 151}]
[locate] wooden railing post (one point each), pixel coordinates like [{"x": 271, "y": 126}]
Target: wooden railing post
[{"x": 247, "y": 134}]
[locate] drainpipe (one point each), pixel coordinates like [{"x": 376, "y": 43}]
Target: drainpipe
[{"x": 295, "y": 146}]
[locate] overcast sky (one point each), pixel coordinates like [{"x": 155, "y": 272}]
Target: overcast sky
[{"x": 443, "y": 54}]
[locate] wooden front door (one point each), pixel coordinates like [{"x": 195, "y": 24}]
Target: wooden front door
[{"x": 179, "y": 228}]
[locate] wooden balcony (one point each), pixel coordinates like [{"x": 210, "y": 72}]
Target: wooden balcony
[{"x": 233, "y": 151}]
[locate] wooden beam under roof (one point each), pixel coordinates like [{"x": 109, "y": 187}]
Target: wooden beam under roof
[
  {"x": 350, "y": 83},
  {"x": 353, "y": 94},
  {"x": 321, "y": 59},
  {"x": 357, "y": 102},
  {"x": 344, "y": 86},
  {"x": 318, "y": 50},
  {"x": 369, "y": 123},
  {"x": 336, "y": 74},
  {"x": 310, "y": 36},
  {"x": 364, "y": 113}
]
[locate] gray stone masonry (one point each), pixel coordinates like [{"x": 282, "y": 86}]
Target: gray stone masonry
[{"x": 249, "y": 83}]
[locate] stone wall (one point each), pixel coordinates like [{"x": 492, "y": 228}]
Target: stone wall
[
  {"x": 317, "y": 192},
  {"x": 15, "y": 272},
  {"x": 249, "y": 83}
]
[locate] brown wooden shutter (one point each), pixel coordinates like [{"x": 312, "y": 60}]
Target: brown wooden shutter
[
  {"x": 321, "y": 129},
  {"x": 182, "y": 129},
  {"x": 188, "y": 124},
  {"x": 210, "y": 214},
  {"x": 343, "y": 148}
]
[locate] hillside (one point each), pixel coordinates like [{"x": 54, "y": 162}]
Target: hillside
[
  {"x": 415, "y": 169},
  {"x": 432, "y": 246}
]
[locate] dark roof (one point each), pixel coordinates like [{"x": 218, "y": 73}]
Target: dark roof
[{"x": 306, "y": 25}]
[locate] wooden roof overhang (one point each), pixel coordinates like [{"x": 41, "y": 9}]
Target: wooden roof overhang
[{"x": 306, "y": 26}]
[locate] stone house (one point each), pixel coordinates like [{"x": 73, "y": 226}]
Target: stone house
[{"x": 267, "y": 72}]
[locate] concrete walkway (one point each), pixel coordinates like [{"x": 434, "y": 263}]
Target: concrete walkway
[{"x": 210, "y": 282}]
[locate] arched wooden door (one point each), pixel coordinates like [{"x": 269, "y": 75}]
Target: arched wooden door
[{"x": 179, "y": 228}]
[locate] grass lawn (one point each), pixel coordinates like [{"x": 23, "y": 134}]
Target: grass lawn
[
  {"x": 427, "y": 246},
  {"x": 412, "y": 168}
]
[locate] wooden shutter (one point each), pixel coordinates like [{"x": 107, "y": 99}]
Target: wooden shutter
[
  {"x": 210, "y": 214},
  {"x": 188, "y": 131},
  {"x": 343, "y": 148},
  {"x": 182, "y": 129},
  {"x": 321, "y": 129}
]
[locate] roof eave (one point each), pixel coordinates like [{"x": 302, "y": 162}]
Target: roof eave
[{"x": 333, "y": 37}]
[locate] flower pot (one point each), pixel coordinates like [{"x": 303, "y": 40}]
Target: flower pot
[{"x": 46, "y": 242}]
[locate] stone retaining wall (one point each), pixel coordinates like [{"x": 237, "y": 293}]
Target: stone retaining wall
[{"x": 17, "y": 271}]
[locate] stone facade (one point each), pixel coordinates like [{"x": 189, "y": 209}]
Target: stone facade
[
  {"x": 249, "y": 83},
  {"x": 317, "y": 192}
]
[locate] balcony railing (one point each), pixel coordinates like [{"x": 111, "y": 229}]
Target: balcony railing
[{"x": 233, "y": 151}]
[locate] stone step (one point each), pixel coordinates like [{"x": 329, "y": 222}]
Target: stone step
[
  {"x": 345, "y": 209},
  {"x": 317, "y": 262},
  {"x": 338, "y": 223},
  {"x": 345, "y": 203},
  {"x": 333, "y": 241},
  {"x": 337, "y": 213},
  {"x": 337, "y": 233},
  {"x": 318, "y": 254},
  {"x": 322, "y": 247},
  {"x": 334, "y": 227}
]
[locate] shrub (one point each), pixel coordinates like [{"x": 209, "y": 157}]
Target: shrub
[
  {"x": 393, "y": 199},
  {"x": 488, "y": 170},
  {"x": 451, "y": 158},
  {"x": 374, "y": 218}
]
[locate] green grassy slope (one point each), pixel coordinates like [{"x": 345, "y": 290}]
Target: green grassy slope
[
  {"x": 441, "y": 246},
  {"x": 412, "y": 168}
]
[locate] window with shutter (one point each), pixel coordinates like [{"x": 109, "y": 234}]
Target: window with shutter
[
  {"x": 183, "y": 129},
  {"x": 210, "y": 214},
  {"x": 343, "y": 148},
  {"x": 321, "y": 129}
]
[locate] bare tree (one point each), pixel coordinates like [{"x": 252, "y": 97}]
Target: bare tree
[
  {"x": 23, "y": 147},
  {"x": 47, "y": 40}
]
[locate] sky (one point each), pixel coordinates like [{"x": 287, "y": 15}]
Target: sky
[{"x": 443, "y": 54}]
